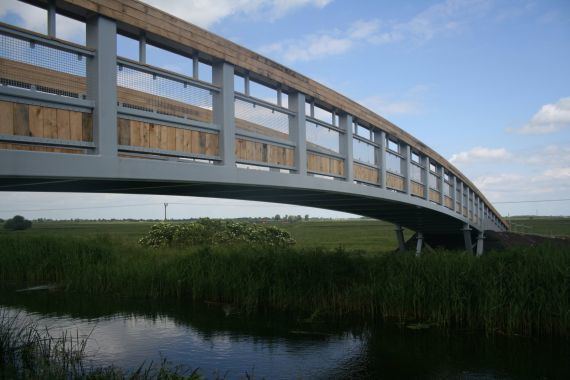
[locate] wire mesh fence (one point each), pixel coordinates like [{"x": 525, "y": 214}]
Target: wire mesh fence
[
  {"x": 260, "y": 119},
  {"x": 33, "y": 65},
  {"x": 158, "y": 93}
]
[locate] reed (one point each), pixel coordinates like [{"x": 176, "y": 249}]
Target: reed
[
  {"x": 29, "y": 352},
  {"x": 524, "y": 291}
]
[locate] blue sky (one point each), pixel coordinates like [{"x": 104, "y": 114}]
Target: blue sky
[{"x": 486, "y": 83}]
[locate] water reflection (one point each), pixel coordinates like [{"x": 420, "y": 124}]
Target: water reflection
[{"x": 127, "y": 333}]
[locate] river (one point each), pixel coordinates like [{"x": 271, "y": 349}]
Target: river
[{"x": 220, "y": 341}]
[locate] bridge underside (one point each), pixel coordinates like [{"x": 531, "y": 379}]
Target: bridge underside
[{"x": 410, "y": 216}]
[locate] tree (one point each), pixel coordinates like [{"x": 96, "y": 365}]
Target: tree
[
  {"x": 306, "y": 217},
  {"x": 277, "y": 217},
  {"x": 17, "y": 223}
]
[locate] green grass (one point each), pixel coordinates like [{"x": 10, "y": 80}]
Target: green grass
[
  {"x": 370, "y": 235},
  {"x": 525, "y": 291},
  {"x": 541, "y": 225}
]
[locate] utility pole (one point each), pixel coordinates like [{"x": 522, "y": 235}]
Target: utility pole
[{"x": 165, "y": 206}]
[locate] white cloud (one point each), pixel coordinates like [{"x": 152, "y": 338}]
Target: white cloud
[
  {"x": 478, "y": 154},
  {"x": 206, "y": 13},
  {"x": 30, "y": 17},
  {"x": 440, "y": 18},
  {"x": 310, "y": 48},
  {"x": 549, "y": 119},
  {"x": 387, "y": 107}
]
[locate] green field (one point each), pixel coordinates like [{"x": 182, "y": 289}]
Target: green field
[
  {"x": 540, "y": 225},
  {"x": 362, "y": 234},
  {"x": 369, "y": 235}
]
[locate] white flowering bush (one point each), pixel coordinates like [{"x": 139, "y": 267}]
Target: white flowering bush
[{"x": 208, "y": 232}]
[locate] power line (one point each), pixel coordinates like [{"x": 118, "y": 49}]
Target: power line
[{"x": 535, "y": 201}]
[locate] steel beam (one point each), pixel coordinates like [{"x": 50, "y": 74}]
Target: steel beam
[
  {"x": 408, "y": 172},
  {"x": 346, "y": 146},
  {"x": 51, "y": 23},
  {"x": 142, "y": 48},
  {"x": 467, "y": 238},
  {"x": 441, "y": 184},
  {"x": 426, "y": 180},
  {"x": 223, "y": 109},
  {"x": 102, "y": 82},
  {"x": 480, "y": 240},
  {"x": 383, "y": 159},
  {"x": 297, "y": 131},
  {"x": 419, "y": 243},
  {"x": 400, "y": 237}
]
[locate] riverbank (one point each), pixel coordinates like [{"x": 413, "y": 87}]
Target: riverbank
[{"x": 524, "y": 291}]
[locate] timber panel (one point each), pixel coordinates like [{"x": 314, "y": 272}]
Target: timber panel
[
  {"x": 325, "y": 165},
  {"x": 394, "y": 181},
  {"x": 365, "y": 173},
  {"x": 18, "y": 119},
  {"x": 418, "y": 189},
  {"x": 448, "y": 202},
  {"x": 434, "y": 196},
  {"x": 155, "y": 136},
  {"x": 249, "y": 150}
]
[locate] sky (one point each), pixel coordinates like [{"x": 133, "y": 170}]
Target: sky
[{"x": 486, "y": 83}]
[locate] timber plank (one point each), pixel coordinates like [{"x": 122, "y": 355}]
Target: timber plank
[
  {"x": 187, "y": 141},
  {"x": 21, "y": 120},
  {"x": 63, "y": 130},
  {"x": 36, "y": 117},
  {"x": 124, "y": 135},
  {"x": 6, "y": 118},
  {"x": 87, "y": 126},
  {"x": 50, "y": 123},
  {"x": 179, "y": 145},
  {"x": 75, "y": 126},
  {"x": 136, "y": 127}
]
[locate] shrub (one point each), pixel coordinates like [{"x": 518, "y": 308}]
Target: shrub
[
  {"x": 208, "y": 232},
  {"x": 17, "y": 223}
]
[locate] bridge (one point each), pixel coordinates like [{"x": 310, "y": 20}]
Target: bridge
[{"x": 229, "y": 124}]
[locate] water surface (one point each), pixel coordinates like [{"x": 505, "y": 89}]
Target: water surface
[{"x": 220, "y": 341}]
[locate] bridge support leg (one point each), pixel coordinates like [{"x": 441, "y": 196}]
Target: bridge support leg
[
  {"x": 400, "y": 236},
  {"x": 467, "y": 238},
  {"x": 480, "y": 240},
  {"x": 419, "y": 243}
]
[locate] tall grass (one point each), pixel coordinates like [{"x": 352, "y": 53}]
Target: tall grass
[
  {"x": 28, "y": 352},
  {"x": 526, "y": 291}
]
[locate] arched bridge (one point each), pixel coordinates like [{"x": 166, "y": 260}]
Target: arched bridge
[{"x": 226, "y": 122}]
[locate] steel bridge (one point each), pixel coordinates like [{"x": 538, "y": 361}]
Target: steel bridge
[{"x": 227, "y": 123}]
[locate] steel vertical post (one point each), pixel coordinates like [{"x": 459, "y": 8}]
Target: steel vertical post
[
  {"x": 408, "y": 174},
  {"x": 426, "y": 180},
  {"x": 383, "y": 159},
  {"x": 400, "y": 237},
  {"x": 223, "y": 77},
  {"x": 51, "y": 18},
  {"x": 297, "y": 131},
  {"x": 441, "y": 185},
  {"x": 454, "y": 196},
  {"x": 142, "y": 48},
  {"x": 346, "y": 146},
  {"x": 102, "y": 82}
]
